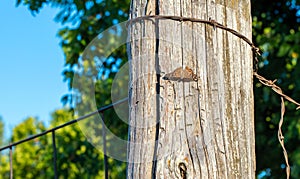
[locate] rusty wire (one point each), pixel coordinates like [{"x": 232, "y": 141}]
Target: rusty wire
[
  {"x": 275, "y": 88},
  {"x": 256, "y": 52},
  {"x": 281, "y": 139},
  {"x": 278, "y": 90}
]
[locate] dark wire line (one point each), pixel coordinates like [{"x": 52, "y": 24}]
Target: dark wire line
[
  {"x": 104, "y": 146},
  {"x": 104, "y": 108},
  {"x": 54, "y": 155},
  {"x": 11, "y": 174}
]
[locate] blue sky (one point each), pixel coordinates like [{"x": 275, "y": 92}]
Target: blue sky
[{"x": 31, "y": 81}]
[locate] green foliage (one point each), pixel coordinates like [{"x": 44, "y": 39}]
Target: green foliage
[
  {"x": 276, "y": 31},
  {"x": 83, "y": 21},
  {"x": 28, "y": 157},
  {"x": 76, "y": 157}
]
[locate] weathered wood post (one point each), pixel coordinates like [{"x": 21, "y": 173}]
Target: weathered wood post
[{"x": 200, "y": 124}]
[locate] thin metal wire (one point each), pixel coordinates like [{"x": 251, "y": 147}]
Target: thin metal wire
[
  {"x": 278, "y": 90},
  {"x": 256, "y": 51},
  {"x": 104, "y": 145},
  {"x": 11, "y": 174},
  {"x": 275, "y": 88},
  {"x": 54, "y": 155},
  {"x": 104, "y": 108},
  {"x": 281, "y": 139}
]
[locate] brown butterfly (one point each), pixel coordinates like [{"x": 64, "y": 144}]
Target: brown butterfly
[{"x": 180, "y": 74}]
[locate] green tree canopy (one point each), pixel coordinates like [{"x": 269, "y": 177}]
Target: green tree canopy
[{"x": 76, "y": 157}]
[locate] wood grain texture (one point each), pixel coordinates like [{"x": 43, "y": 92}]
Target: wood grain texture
[{"x": 204, "y": 128}]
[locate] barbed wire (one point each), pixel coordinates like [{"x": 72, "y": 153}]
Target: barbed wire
[
  {"x": 215, "y": 24},
  {"x": 281, "y": 139},
  {"x": 256, "y": 52},
  {"x": 275, "y": 88}
]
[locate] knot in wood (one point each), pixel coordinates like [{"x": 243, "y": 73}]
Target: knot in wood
[{"x": 183, "y": 170}]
